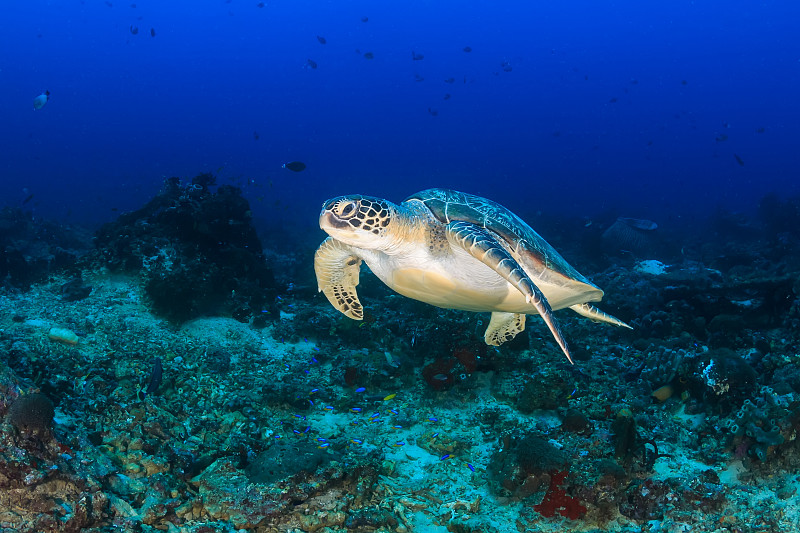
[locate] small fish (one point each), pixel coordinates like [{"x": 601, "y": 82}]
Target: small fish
[
  {"x": 324, "y": 445},
  {"x": 447, "y": 96},
  {"x": 417, "y": 77},
  {"x": 256, "y": 136},
  {"x": 134, "y": 29},
  {"x": 445, "y": 457},
  {"x": 684, "y": 82},
  {"x": 433, "y": 112},
  {"x": 467, "y": 49},
  {"x": 155, "y": 377},
  {"x": 356, "y": 441},
  {"x": 364, "y": 19},
  {"x": 311, "y": 63},
  {"x": 314, "y": 391},
  {"x": 441, "y": 377},
  {"x": 416, "y": 57},
  {"x": 721, "y": 138},
  {"x": 432, "y": 419},
  {"x": 321, "y": 39},
  {"x": 572, "y": 394},
  {"x": 369, "y": 55},
  {"x": 739, "y": 160},
  {"x": 613, "y": 101},
  {"x": 328, "y": 408},
  {"x": 399, "y": 443},
  {"x": 360, "y": 389},
  {"x": 355, "y": 409},
  {"x": 450, "y": 80},
  {"x": 470, "y": 467},
  {"x": 152, "y": 32},
  {"x": 41, "y": 100},
  {"x": 27, "y": 199},
  {"x": 397, "y": 427},
  {"x": 389, "y": 397},
  {"x": 260, "y": 4},
  {"x": 295, "y": 166}
]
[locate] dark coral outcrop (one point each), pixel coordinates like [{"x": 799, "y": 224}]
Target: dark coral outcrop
[{"x": 196, "y": 248}]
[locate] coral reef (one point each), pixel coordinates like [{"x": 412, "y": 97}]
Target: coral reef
[
  {"x": 31, "y": 249},
  {"x": 257, "y": 407},
  {"x": 757, "y": 427},
  {"x": 197, "y": 250},
  {"x": 32, "y": 413},
  {"x": 632, "y": 235}
]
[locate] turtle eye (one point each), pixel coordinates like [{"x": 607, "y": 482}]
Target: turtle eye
[{"x": 347, "y": 210}]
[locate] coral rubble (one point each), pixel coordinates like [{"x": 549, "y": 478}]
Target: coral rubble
[{"x": 169, "y": 382}]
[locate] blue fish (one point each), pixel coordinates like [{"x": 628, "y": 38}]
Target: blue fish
[{"x": 41, "y": 100}]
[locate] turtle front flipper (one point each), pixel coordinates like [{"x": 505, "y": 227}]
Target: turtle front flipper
[
  {"x": 337, "y": 269},
  {"x": 481, "y": 244},
  {"x": 503, "y": 327},
  {"x": 593, "y": 313}
]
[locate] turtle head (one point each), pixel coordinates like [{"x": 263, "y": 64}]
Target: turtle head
[{"x": 360, "y": 221}]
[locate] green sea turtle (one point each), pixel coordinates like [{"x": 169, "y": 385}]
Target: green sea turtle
[{"x": 452, "y": 250}]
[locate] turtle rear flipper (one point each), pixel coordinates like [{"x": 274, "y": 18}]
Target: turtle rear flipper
[
  {"x": 337, "y": 269},
  {"x": 593, "y": 313},
  {"x": 503, "y": 327},
  {"x": 481, "y": 244}
]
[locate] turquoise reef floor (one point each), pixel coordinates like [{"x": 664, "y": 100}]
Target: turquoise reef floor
[{"x": 316, "y": 423}]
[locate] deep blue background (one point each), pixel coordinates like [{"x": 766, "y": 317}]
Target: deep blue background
[{"x": 610, "y": 105}]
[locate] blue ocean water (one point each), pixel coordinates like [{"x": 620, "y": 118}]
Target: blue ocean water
[
  {"x": 167, "y": 362},
  {"x": 655, "y": 110}
]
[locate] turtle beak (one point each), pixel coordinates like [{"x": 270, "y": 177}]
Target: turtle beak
[
  {"x": 325, "y": 217},
  {"x": 328, "y": 221}
]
